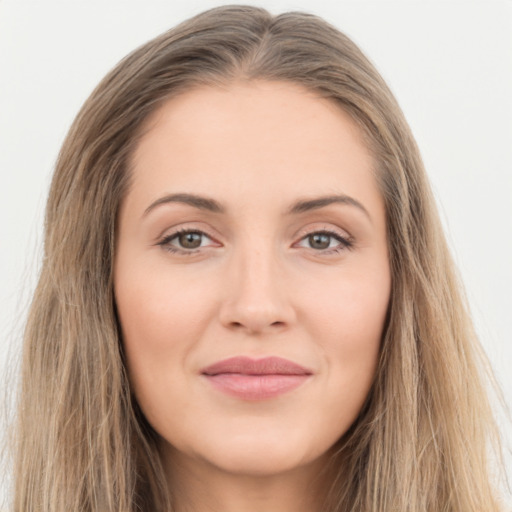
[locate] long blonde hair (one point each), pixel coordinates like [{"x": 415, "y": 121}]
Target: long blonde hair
[{"x": 421, "y": 441}]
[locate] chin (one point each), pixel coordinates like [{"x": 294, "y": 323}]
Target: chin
[
  {"x": 257, "y": 454},
  {"x": 257, "y": 462}
]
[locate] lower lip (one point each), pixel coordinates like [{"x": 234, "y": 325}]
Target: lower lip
[{"x": 256, "y": 387}]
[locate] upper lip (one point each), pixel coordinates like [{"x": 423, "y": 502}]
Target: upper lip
[{"x": 247, "y": 366}]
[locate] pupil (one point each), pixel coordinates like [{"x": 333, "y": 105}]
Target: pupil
[
  {"x": 319, "y": 241},
  {"x": 190, "y": 240}
]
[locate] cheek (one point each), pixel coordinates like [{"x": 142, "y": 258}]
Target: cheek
[
  {"x": 347, "y": 318},
  {"x": 162, "y": 319},
  {"x": 351, "y": 307},
  {"x": 157, "y": 305}
]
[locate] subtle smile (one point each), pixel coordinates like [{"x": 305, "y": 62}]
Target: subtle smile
[{"x": 256, "y": 379}]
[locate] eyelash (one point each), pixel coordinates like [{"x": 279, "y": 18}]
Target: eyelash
[
  {"x": 166, "y": 241},
  {"x": 344, "y": 242}
]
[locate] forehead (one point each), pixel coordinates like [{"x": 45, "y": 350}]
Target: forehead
[
  {"x": 253, "y": 138},
  {"x": 258, "y": 107}
]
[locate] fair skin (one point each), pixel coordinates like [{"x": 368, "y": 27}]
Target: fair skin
[{"x": 255, "y": 267}]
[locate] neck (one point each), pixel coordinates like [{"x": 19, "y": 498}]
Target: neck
[{"x": 198, "y": 486}]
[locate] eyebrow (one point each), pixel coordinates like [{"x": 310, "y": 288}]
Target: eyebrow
[
  {"x": 205, "y": 203},
  {"x": 320, "y": 202}
]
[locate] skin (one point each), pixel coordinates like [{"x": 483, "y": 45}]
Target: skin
[{"x": 257, "y": 285}]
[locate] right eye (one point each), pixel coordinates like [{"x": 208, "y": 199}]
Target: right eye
[{"x": 186, "y": 241}]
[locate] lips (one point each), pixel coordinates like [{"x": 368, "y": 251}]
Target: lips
[{"x": 256, "y": 379}]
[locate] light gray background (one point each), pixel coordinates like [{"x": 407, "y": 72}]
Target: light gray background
[{"x": 448, "y": 62}]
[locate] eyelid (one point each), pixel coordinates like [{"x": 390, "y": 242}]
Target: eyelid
[
  {"x": 164, "y": 240},
  {"x": 182, "y": 226},
  {"x": 322, "y": 227},
  {"x": 346, "y": 241}
]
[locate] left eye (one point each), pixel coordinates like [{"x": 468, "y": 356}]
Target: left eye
[
  {"x": 321, "y": 241},
  {"x": 190, "y": 240}
]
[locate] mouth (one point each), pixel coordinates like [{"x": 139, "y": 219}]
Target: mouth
[{"x": 256, "y": 379}]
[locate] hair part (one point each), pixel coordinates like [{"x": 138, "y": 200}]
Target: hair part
[{"x": 421, "y": 441}]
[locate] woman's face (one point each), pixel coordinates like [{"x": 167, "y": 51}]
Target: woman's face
[{"x": 251, "y": 276}]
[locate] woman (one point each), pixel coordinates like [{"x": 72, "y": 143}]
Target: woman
[{"x": 246, "y": 301}]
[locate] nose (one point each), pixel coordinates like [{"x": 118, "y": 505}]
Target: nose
[{"x": 257, "y": 295}]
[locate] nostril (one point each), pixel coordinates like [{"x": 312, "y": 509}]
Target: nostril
[{"x": 254, "y": 328}]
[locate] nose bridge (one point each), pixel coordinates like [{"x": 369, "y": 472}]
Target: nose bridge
[
  {"x": 258, "y": 274},
  {"x": 257, "y": 297}
]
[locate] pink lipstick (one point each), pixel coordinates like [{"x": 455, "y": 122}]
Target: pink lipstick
[{"x": 256, "y": 379}]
